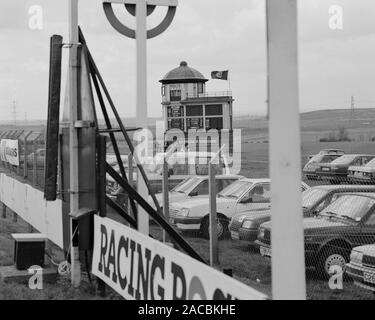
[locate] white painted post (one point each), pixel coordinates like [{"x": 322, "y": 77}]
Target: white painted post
[
  {"x": 288, "y": 265},
  {"x": 141, "y": 43},
  {"x": 214, "y": 250},
  {"x": 73, "y": 136}
]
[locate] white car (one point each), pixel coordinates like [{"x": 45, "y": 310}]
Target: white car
[
  {"x": 362, "y": 267},
  {"x": 195, "y": 187},
  {"x": 242, "y": 195}
]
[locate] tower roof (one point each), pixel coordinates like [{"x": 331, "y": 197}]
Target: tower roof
[{"x": 182, "y": 74}]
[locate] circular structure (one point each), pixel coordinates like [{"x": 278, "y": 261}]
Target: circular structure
[{"x": 183, "y": 74}]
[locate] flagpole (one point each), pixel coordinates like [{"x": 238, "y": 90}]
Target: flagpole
[{"x": 230, "y": 89}]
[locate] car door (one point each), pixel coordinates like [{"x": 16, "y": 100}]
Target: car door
[{"x": 258, "y": 197}]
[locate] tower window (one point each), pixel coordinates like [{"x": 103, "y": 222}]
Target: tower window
[
  {"x": 214, "y": 110},
  {"x": 200, "y": 87},
  {"x": 163, "y": 91},
  {"x": 192, "y": 111},
  {"x": 175, "y": 95}
]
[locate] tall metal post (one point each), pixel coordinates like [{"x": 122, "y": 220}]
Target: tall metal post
[
  {"x": 141, "y": 121},
  {"x": 73, "y": 136},
  {"x": 214, "y": 249},
  {"x": 288, "y": 265}
]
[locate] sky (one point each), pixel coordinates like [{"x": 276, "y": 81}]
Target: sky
[{"x": 334, "y": 64}]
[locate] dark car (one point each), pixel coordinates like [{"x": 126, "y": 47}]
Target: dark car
[
  {"x": 346, "y": 223},
  {"x": 337, "y": 170},
  {"x": 309, "y": 170},
  {"x": 245, "y": 226}
]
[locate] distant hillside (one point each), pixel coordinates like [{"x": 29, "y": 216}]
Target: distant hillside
[
  {"x": 314, "y": 121},
  {"x": 343, "y": 114}
]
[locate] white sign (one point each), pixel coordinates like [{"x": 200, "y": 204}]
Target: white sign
[
  {"x": 9, "y": 151},
  {"x": 141, "y": 268}
]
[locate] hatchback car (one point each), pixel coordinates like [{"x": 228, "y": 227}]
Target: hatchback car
[
  {"x": 337, "y": 170},
  {"x": 245, "y": 225}
]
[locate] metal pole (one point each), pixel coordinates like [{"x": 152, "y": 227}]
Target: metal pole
[
  {"x": 131, "y": 181},
  {"x": 141, "y": 43},
  {"x": 35, "y": 178},
  {"x": 73, "y": 136},
  {"x": 165, "y": 189},
  {"x": 3, "y": 210},
  {"x": 214, "y": 249},
  {"x": 288, "y": 265}
]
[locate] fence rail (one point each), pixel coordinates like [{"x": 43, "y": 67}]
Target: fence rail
[{"x": 31, "y": 156}]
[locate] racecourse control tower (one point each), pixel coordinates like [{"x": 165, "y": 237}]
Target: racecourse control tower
[{"x": 186, "y": 104}]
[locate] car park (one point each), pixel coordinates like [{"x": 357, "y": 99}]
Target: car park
[
  {"x": 310, "y": 168},
  {"x": 242, "y": 195},
  {"x": 362, "y": 174},
  {"x": 329, "y": 237},
  {"x": 195, "y": 187},
  {"x": 337, "y": 170},
  {"x": 181, "y": 165},
  {"x": 361, "y": 267},
  {"x": 245, "y": 225}
]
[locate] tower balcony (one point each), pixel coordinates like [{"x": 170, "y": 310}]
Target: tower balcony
[{"x": 212, "y": 94}]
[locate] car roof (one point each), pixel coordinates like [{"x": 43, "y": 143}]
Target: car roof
[
  {"x": 256, "y": 180},
  {"x": 362, "y": 194},
  {"x": 344, "y": 187},
  {"x": 218, "y": 176},
  {"x": 359, "y": 154}
]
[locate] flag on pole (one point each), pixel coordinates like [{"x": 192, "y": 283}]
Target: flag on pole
[{"x": 221, "y": 75}]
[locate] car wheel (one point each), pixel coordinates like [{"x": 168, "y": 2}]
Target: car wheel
[
  {"x": 330, "y": 258},
  {"x": 222, "y": 228}
]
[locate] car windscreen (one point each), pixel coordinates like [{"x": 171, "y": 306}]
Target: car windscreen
[
  {"x": 344, "y": 159},
  {"x": 327, "y": 158},
  {"x": 371, "y": 164},
  {"x": 185, "y": 185},
  {"x": 349, "y": 207},
  {"x": 312, "y": 196},
  {"x": 316, "y": 158},
  {"x": 236, "y": 189}
]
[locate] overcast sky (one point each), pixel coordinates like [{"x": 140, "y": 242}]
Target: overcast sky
[{"x": 209, "y": 35}]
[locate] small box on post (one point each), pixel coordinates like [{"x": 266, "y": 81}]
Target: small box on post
[{"x": 29, "y": 250}]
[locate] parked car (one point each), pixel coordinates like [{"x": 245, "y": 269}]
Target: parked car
[
  {"x": 364, "y": 174},
  {"x": 361, "y": 267},
  {"x": 309, "y": 170},
  {"x": 242, "y": 195},
  {"x": 337, "y": 170},
  {"x": 195, "y": 187},
  {"x": 327, "y": 151},
  {"x": 347, "y": 222},
  {"x": 182, "y": 165},
  {"x": 245, "y": 225}
]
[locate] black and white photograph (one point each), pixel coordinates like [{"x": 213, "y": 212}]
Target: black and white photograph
[{"x": 184, "y": 150}]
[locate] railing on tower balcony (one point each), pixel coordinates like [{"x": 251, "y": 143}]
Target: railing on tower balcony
[{"x": 210, "y": 94}]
